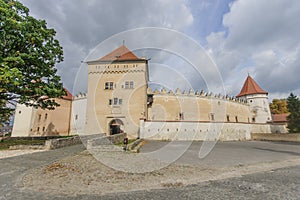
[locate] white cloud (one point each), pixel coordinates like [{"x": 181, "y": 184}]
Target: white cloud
[
  {"x": 81, "y": 25},
  {"x": 260, "y": 37},
  {"x": 265, "y": 36}
]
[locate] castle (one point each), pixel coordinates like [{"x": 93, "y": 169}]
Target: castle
[{"x": 119, "y": 100}]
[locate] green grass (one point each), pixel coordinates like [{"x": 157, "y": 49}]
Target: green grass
[{"x": 4, "y": 145}]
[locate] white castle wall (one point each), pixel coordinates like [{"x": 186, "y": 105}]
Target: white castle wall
[
  {"x": 200, "y": 131},
  {"x": 23, "y": 120},
  {"x": 78, "y": 115}
]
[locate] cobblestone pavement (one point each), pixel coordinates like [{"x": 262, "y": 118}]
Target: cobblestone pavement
[{"x": 240, "y": 170}]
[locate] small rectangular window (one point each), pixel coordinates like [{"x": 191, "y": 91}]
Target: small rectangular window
[
  {"x": 109, "y": 102},
  {"x": 120, "y": 101},
  {"x": 109, "y": 86},
  {"x": 40, "y": 116},
  {"x": 181, "y": 116},
  {"x": 126, "y": 85},
  {"x": 236, "y": 119},
  {"x": 76, "y": 117},
  {"x": 115, "y": 101},
  {"x": 43, "y": 128},
  {"x": 38, "y": 128},
  {"x": 212, "y": 117},
  {"x": 46, "y": 116},
  {"x": 228, "y": 119},
  {"x": 131, "y": 85}
]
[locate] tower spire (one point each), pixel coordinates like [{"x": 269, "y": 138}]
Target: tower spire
[{"x": 251, "y": 87}]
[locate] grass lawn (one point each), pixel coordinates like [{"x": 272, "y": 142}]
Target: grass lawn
[{"x": 4, "y": 145}]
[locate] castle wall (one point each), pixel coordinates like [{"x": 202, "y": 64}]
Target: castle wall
[
  {"x": 193, "y": 107},
  {"x": 52, "y": 122},
  {"x": 22, "y": 120},
  {"x": 78, "y": 115},
  {"x": 30, "y": 121},
  {"x": 201, "y": 131}
]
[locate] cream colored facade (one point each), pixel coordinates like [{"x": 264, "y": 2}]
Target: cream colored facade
[
  {"x": 196, "y": 107},
  {"x": 52, "y": 122},
  {"x": 30, "y": 121},
  {"x": 117, "y": 93},
  {"x": 119, "y": 96}
]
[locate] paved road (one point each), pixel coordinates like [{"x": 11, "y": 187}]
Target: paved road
[
  {"x": 231, "y": 153},
  {"x": 279, "y": 184}
]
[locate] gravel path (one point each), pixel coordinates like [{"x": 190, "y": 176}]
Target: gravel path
[
  {"x": 83, "y": 174},
  {"x": 73, "y": 173}
]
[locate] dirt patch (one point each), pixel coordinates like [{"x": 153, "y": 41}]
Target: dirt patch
[{"x": 83, "y": 174}]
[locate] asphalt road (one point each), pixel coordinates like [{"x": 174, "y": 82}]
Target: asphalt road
[
  {"x": 277, "y": 184},
  {"x": 230, "y": 153}
]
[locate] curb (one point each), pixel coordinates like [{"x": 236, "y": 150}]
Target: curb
[{"x": 136, "y": 145}]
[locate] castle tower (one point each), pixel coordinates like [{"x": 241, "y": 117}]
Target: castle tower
[
  {"x": 117, "y": 93},
  {"x": 258, "y": 101}
]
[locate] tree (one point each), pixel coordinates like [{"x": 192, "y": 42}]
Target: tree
[
  {"x": 28, "y": 54},
  {"x": 278, "y": 106},
  {"x": 293, "y": 104}
]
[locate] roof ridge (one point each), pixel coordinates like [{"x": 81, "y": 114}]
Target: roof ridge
[{"x": 120, "y": 53}]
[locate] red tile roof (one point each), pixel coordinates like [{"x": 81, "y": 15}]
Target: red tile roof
[
  {"x": 279, "y": 118},
  {"x": 251, "y": 87},
  {"x": 69, "y": 96},
  {"x": 120, "y": 54}
]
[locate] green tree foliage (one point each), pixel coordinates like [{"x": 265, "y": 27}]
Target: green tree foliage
[
  {"x": 28, "y": 54},
  {"x": 293, "y": 104},
  {"x": 278, "y": 106}
]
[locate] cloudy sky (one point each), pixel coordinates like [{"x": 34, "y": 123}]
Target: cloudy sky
[{"x": 259, "y": 37}]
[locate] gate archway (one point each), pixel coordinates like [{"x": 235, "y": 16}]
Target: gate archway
[{"x": 116, "y": 126}]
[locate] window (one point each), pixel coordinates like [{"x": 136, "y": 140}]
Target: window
[
  {"x": 228, "y": 119},
  {"x": 46, "y": 116},
  {"x": 126, "y": 85},
  {"x": 181, "y": 116},
  {"x": 43, "y": 128},
  {"x": 109, "y": 86},
  {"x": 131, "y": 85},
  {"x": 20, "y": 112},
  {"x": 40, "y": 116},
  {"x": 236, "y": 119},
  {"x": 38, "y": 129},
  {"x": 253, "y": 120},
  {"x": 212, "y": 117},
  {"x": 76, "y": 117},
  {"x": 115, "y": 101}
]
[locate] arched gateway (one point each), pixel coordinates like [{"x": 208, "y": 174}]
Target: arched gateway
[{"x": 116, "y": 126}]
